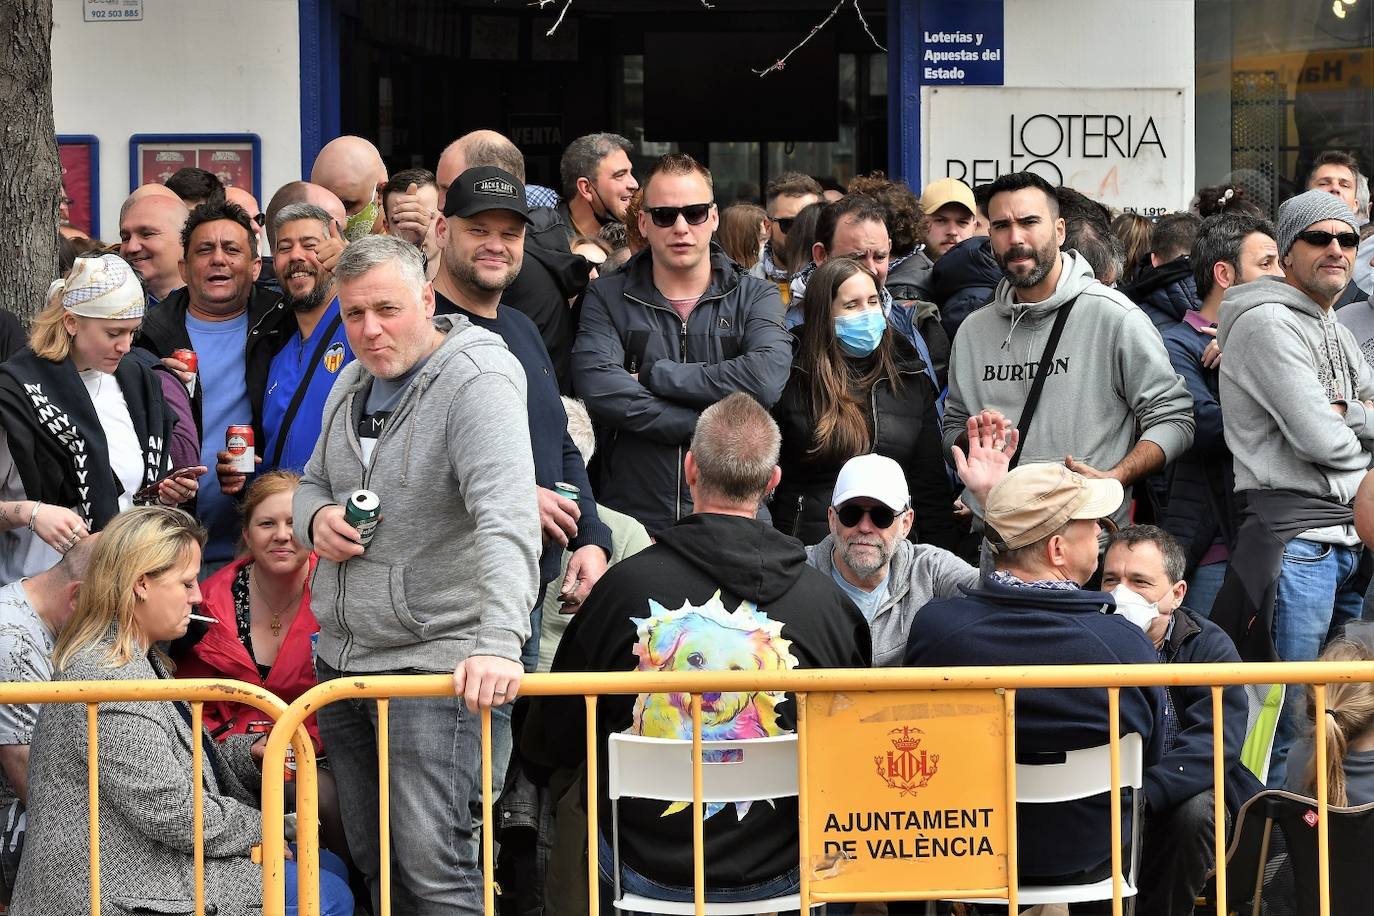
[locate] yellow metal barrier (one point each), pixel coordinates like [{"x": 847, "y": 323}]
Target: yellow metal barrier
[
  {"x": 195, "y": 691},
  {"x": 806, "y": 685}
]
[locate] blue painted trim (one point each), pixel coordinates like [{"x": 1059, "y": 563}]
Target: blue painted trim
[
  {"x": 254, "y": 140},
  {"x": 93, "y": 142},
  {"x": 318, "y": 23},
  {"x": 904, "y": 91}
]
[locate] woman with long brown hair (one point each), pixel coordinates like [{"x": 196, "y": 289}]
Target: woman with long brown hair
[{"x": 856, "y": 388}]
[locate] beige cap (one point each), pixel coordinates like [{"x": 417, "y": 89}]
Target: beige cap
[
  {"x": 947, "y": 191},
  {"x": 1036, "y": 500}
]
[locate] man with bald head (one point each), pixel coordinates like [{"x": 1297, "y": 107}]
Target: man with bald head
[
  {"x": 353, "y": 170},
  {"x": 551, "y": 276},
  {"x": 150, "y": 238}
]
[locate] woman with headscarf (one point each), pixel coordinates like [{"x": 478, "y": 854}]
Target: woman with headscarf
[{"x": 83, "y": 430}]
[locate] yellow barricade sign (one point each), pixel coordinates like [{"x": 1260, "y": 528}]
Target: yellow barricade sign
[{"x": 906, "y": 791}]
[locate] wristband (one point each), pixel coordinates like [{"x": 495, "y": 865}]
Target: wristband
[{"x": 33, "y": 516}]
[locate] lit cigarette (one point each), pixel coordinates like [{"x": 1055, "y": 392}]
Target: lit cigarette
[{"x": 203, "y": 618}]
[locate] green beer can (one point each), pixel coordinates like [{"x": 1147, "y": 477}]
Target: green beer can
[
  {"x": 567, "y": 491},
  {"x": 363, "y": 511}
]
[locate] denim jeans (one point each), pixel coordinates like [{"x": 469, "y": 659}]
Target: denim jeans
[
  {"x": 1203, "y": 587},
  {"x": 435, "y": 762},
  {"x": 1319, "y": 592},
  {"x": 335, "y": 897},
  {"x": 632, "y": 882}
]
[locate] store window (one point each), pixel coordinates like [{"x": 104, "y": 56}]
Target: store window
[{"x": 1279, "y": 82}]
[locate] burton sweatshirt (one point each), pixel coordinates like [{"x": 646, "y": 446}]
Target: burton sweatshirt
[{"x": 1110, "y": 385}]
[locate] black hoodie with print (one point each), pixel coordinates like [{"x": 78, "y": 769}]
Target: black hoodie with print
[{"x": 716, "y": 592}]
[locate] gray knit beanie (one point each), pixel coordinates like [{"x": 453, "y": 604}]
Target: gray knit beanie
[{"x": 1297, "y": 213}]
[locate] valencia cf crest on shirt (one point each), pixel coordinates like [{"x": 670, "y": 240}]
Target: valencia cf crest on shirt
[{"x": 334, "y": 358}]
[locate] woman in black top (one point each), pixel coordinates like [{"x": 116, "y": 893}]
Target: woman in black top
[{"x": 856, "y": 387}]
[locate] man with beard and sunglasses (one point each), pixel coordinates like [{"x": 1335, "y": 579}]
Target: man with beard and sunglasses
[
  {"x": 1110, "y": 404},
  {"x": 1297, "y": 398},
  {"x": 675, "y": 331},
  {"x": 304, "y": 370},
  {"x": 867, "y": 553}
]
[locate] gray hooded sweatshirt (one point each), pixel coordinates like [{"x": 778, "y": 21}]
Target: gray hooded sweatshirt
[
  {"x": 1286, "y": 360},
  {"x": 453, "y": 568},
  {"x": 918, "y": 574},
  {"x": 1110, "y": 385}
]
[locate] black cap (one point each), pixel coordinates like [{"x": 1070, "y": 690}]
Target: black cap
[{"x": 486, "y": 188}]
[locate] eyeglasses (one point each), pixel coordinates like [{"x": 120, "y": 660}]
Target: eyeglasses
[
  {"x": 1321, "y": 239},
  {"x": 666, "y": 217},
  {"x": 259, "y": 218},
  {"x": 784, "y": 223},
  {"x": 851, "y": 514}
]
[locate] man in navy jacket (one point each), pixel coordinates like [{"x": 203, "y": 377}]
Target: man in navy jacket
[{"x": 1032, "y": 610}]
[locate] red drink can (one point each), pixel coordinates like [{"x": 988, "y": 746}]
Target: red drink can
[
  {"x": 238, "y": 442},
  {"x": 262, "y": 727},
  {"x": 188, "y": 357}
]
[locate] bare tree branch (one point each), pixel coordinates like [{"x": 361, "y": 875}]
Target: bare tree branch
[{"x": 781, "y": 62}]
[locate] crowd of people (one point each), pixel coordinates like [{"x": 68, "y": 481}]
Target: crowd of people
[{"x": 455, "y": 422}]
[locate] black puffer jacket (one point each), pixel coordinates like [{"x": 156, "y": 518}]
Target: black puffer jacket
[
  {"x": 646, "y": 375},
  {"x": 905, "y": 429},
  {"x": 1166, "y": 292},
  {"x": 550, "y": 278},
  {"x": 270, "y": 326},
  {"x": 963, "y": 280}
]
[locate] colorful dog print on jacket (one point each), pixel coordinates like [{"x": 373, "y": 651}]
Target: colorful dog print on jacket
[{"x": 710, "y": 638}]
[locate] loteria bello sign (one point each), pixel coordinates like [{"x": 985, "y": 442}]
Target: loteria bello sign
[{"x": 906, "y": 791}]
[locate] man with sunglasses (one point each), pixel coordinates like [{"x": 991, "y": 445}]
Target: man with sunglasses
[
  {"x": 675, "y": 331},
  {"x": 1297, "y": 398},
  {"x": 786, "y": 196},
  {"x": 867, "y": 553}
]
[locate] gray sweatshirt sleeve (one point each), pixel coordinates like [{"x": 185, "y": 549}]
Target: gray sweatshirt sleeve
[
  {"x": 1147, "y": 381},
  {"x": 957, "y": 409},
  {"x": 490, "y": 457},
  {"x": 1279, "y": 375},
  {"x": 1358, "y": 417}
]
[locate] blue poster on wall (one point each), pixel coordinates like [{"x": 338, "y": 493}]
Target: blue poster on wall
[{"x": 962, "y": 42}]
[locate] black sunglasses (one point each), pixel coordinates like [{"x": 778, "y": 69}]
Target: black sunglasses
[
  {"x": 666, "y": 217},
  {"x": 784, "y": 223},
  {"x": 851, "y": 514},
  {"x": 1321, "y": 239}
]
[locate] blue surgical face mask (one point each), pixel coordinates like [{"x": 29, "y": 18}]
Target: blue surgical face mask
[{"x": 859, "y": 335}]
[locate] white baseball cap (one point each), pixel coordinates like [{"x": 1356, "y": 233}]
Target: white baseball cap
[{"x": 872, "y": 477}]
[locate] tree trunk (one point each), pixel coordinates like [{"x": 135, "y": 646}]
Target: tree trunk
[{"x": 30, "y": 175}]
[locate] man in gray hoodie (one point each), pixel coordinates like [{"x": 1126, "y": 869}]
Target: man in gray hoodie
[
  {"x": 430, "y": 417},
  {"x": 1112, "y": 405},
  {"x": 1296, "y": 401}
]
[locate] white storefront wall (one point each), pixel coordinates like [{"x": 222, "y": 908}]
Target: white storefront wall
[
  {"x": 1098, "y": 95},
  {"x": 187, "y": 67}
]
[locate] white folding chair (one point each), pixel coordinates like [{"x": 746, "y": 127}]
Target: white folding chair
[
  {"x": 1082, "y": 774},
  {"x": 731, "y": 771}
]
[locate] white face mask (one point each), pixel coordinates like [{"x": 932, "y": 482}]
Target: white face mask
[{"x": 1133, "y": 606}]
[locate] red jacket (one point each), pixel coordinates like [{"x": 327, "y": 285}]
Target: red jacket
[{"x": 220, "y": 654}]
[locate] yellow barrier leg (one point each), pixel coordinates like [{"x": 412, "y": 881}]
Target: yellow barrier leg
[
  {"x": 1013, "y": 865},
  {"x": 488, "y": 824},
  {"x": 1323, "y": 836},
  {"x": 1114, "y": 726},
  {"x": 593, "y": 799},
  {"x": 698, "y": 814},
  {"x": 307, "y": 825},
  {"x": 93, "y": 790},
  {"x": 1219, "y": 798},
  {"x": 198, "y": 807},
  {"x": 384, "y": 802},
  {"x": 803, "y": 808}
]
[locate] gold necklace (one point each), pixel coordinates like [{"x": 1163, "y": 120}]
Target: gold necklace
[{"x": 275, "y": 623}]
